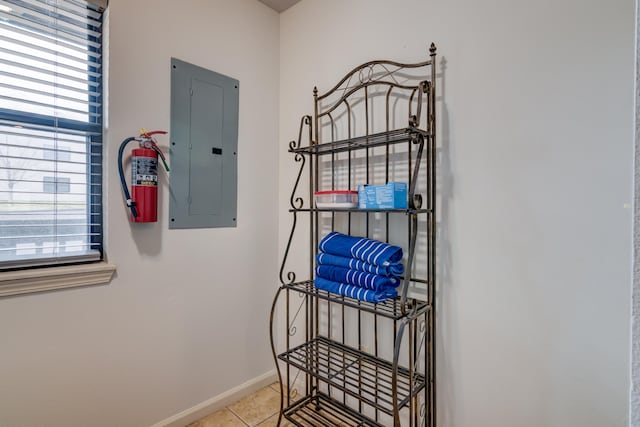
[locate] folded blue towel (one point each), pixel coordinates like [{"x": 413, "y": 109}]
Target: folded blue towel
[
  {"x": 367, "y": 250},
  {"x": 355, "y": 277},
  {"x": 356, "y": 292},
  {"x": 394, "y": 269}
]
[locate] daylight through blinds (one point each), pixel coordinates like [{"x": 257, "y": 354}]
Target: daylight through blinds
[{"x": 50, "y": 132}]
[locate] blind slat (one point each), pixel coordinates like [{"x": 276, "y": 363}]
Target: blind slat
[
  {"x": 48, "y": 162},
  {"x": 40, "y": 122},
  {"x": 48, "y": 171},
  {"x": 48, "y": 83},
  {"x": 44, "y": 236},
  {"x": 70, "y": 193},
  {"x": 57, "y": 108},
  {"x": 45, "y": 215},
  {"x": 43, "y": 93},
  {"x": 94, "y": 225},
  {"x": 25, "y": 43},
  {"x": 94, "y": 190},
  {"x": 77, "y": 245},
  {"x": 78, "y": 50},
  {"x": 30, "y": 14},
  {"x": 45, "y": 203},
  {"x": 53, "y": 151},
  {"x": 82, "y": 16},
  {"x": 56, "y": 63},
  {"x": 77, "y": 10},
  {"x": 71, "y": 41},
  {"x": 53, "y": 17},
  {"x": 55, "y": 74},
  {"x": 80, "y": 224},
  {"x": 10, "y": 129},
  {"x": 62, "y": 143}
]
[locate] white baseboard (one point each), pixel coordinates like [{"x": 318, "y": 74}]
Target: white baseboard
[{"x": 218, "y": 402}]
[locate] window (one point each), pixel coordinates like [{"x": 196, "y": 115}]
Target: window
[
  {"x": 51, "y": 184},
  {"x": 50, "y": 152},
  {"x": 50, "y": 133}
]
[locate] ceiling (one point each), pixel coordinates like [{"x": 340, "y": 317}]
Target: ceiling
[{"x": 279, "y": 5}]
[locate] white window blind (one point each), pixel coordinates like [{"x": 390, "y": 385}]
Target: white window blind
[{"x": 50, "y": 132}]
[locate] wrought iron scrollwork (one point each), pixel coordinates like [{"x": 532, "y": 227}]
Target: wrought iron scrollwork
[
  {"x": 416, "y": 203},
  {"x": 292, "y": 329},
  {"x": 422, "y": 329},
  {"x": 298, "y": 202},
  {"x": 294, "y": 391},
  {"x": 291, "y": 276},
  {"x": 295, "y": 202},
  {"x": 375, "y": 72}
]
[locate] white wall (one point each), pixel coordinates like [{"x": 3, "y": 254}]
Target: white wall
[
  {"x": 186, "y": 317},
  {"x": 536, "y": 137}
]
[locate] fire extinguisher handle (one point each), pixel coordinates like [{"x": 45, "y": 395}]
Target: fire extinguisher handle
[{"x": 153, "y": 132}]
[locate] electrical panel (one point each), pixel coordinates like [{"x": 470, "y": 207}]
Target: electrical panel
[{"x": 203, "y": 147}]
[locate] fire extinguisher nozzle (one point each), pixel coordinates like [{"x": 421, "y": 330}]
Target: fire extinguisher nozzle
[{"x": 161, "y": 155}]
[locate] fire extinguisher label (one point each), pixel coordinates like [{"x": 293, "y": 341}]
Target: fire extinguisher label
[{"x": 144, "y": 171}]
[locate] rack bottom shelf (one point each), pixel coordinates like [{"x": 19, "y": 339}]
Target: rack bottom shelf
[
  {"x": 321, "y": 410},
  {"x": 358, "y": 374}
]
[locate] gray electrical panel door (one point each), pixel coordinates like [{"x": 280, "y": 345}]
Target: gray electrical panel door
[{"x": 204, "y": 144}]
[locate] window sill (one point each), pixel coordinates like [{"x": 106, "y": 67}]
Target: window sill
[{"x": 48, "y": 279}]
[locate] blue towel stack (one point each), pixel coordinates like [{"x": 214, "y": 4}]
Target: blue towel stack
[{"x": 358, "y": 267}]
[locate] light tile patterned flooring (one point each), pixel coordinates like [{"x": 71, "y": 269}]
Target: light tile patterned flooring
[{"x": 258, "y": 409}]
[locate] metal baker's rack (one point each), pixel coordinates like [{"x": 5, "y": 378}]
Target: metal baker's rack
[{"x": 342, "y": 361}]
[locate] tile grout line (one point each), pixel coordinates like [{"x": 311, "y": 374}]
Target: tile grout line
[
  {"x": 257, "y": 422},
  {"x": 237, "y": 416},
  {"x": 241, "y": 419}
]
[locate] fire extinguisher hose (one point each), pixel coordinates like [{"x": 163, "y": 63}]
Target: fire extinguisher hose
[{"x": 130, "y": 203}]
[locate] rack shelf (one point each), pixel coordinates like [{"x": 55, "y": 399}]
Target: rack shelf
[
  {"x": 367, "y": 141},
  {"x": 390, "y": 309},
  {"x": 356, "y": 210},
  {"x": 355, "y": 373},
  {"x": 322, "y": 410}
]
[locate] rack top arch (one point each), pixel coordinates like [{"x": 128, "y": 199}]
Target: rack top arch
[{"x": 381, "y": 73}]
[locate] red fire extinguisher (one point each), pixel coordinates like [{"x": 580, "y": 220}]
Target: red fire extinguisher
[{"x": 143, "y": 201}]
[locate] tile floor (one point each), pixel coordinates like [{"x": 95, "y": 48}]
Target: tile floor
[{"x": 258, "y": 409}]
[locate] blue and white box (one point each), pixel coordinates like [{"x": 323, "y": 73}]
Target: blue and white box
[{"x": 392, "y": 195}]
